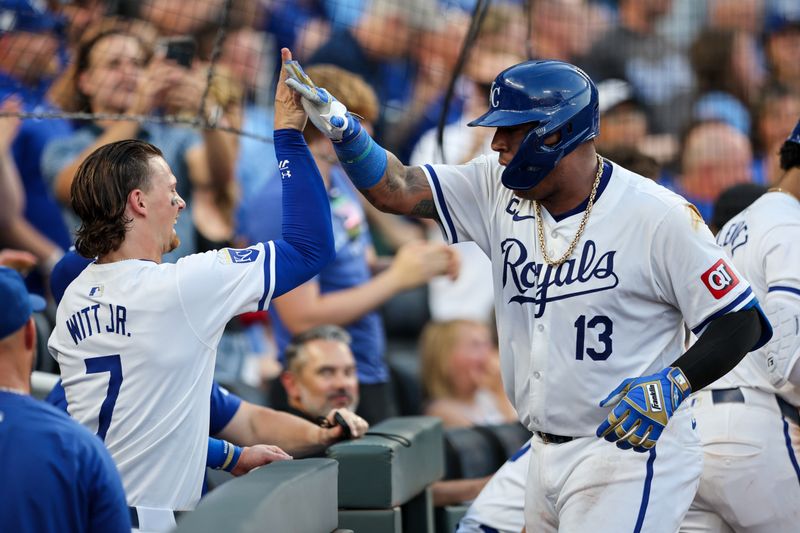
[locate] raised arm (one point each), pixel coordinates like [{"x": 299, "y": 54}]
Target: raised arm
[
  {"x": 307, "y": 244},
  {"x": 377, "y": 173}
]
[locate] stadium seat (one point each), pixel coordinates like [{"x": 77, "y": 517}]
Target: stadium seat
[
  {"x": 288, "y": 496},
  {"x": 471, "y": 453},
  {"x": 510, "y": 437}
]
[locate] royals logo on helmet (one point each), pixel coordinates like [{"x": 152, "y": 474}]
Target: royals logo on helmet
[{"x": 719, "y": 279}]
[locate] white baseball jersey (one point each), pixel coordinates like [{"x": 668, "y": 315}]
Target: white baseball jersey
[
  {"x": 136, "y": 342},
  {"x": 569, "y": 335},
  {"x": 764, "y": 244}
]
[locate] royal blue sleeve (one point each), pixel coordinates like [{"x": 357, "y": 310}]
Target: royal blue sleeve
[
  {"x": 57, "y": 397},
  {"x": 307, "y": 244},
  {"x": 224, "y": 405}
]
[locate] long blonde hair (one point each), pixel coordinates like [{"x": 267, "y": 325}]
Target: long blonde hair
[{"x": 437, "y": 342}]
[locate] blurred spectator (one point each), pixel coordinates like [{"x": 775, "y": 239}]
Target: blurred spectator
[
  {"x": 345, "y": 293},
  {"x": 633, "y": 51},
  {"x": 377, "y": 48},
  {"x": 243, "y": 51},
  {"x": 634, "y": 160},
  {"x": 56, "y": 475},
  {"x": 782, "y": 44},
  {"x": 435, "y": 51},
  {"x": 320, "y": 373},
  {"x": 460, "y": 385},
  {"x": 733, "y": 201},
  {"x": 715, "y": 157},
  {"x": 774, "y": 120},
  {"x": 29, "y": 59},
  {"x": 80, "y": 16},
  {"x": 304, "y": 25},
  {"x": 729, "y": 76},
  {"x": 178, "y": 17},
  {"x": 743, "y": 15},
  {"x": 471, "y": 295},
  {"x": 622, "y": 116},
  {"x": 562, "y": 29},
  {"x": 113, "y": 74}
]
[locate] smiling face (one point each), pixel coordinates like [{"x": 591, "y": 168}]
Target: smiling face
[
  {"x": 115, "y": 65},
  {"x": 323, "y": 378},
  {"x": 164, "y": 204}
]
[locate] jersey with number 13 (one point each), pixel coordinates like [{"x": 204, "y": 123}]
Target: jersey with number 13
[{"x": 570, "y": 334}]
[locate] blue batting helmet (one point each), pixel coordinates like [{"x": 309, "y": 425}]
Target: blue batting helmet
[{"x": 552, "y": 96}]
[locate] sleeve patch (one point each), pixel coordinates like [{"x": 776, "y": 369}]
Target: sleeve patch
[
  {"x": 228, "y": 256},
  {"x": 719, "y": 279}
]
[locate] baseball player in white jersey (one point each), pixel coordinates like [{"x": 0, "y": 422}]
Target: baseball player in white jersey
[
  {"x": 136, "y": 339},
  {"x": 746, "y": 420},
  {"x": 595, "y": 269}
]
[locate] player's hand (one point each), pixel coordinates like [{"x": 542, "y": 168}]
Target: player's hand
[
  {"x": 417, "y": 262},
  {"x": 258, "y": 455},
  {"x": 334, "y": 432},
  {"x": 643, "y": 408},
  {"x": 289, "y": 113},
  {"x": 329, "y": 115}
]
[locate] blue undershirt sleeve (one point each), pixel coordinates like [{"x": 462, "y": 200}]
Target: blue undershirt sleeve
[{"x": 307, "y": 244}]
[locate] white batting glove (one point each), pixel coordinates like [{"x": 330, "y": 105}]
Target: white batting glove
[{"x": 328, "y": 114}]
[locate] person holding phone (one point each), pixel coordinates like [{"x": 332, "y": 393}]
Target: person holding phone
[{"x": 115, "y": 72}]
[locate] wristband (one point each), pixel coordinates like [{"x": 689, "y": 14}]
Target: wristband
[
  {"x": 233, "y": 457},
  {"x": 361, "y": 157}
]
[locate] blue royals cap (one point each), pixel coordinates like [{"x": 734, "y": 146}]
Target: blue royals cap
[
  {"x": 66, "y": 270},
  {"x": 16, "y": 304},
  {"x": 28, "y": 15}
]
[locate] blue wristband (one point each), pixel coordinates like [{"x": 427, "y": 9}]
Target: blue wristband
[
  {"x": 237, "y": 451},
  {"x": 222, "y": 455},
  {"x": 361, "y": 157}
]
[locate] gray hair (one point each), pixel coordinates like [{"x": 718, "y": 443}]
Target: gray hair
[{"x": 327, "y": 332}]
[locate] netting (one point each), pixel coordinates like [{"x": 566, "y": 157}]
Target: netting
[{"x": 668, "y": 65}]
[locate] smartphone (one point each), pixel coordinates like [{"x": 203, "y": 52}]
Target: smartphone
[{"x": 181, "y": 50}]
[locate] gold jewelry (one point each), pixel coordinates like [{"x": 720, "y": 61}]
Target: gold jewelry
[
  {"x": 778, "y": 189},
  {"x": 581, "y": 226}
]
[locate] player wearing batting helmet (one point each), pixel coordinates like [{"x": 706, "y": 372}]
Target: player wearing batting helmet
[{"x": 596, "y": 271}]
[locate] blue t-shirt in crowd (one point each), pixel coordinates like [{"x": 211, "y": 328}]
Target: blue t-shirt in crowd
[
  {"x": 56, "y": 476},
  {"x": 262, "y": 222},
  {"x": 41, "y": 208}
]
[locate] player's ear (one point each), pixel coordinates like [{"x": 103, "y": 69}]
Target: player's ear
[{"x": 137, "y": 202}]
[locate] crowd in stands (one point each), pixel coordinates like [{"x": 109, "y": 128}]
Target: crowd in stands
[{"x": 697, "y": 95}]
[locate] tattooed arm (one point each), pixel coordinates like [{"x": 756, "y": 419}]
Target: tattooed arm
[{"x": 403, "y": 191}]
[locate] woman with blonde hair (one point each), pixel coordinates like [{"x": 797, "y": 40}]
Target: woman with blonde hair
[{"x": 460, "y": 375}]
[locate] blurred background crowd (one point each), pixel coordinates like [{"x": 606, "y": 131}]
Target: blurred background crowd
[{"x": 696, "y": 94}]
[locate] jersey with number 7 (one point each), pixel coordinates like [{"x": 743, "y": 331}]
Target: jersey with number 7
[{"x": 136, "y": 343}]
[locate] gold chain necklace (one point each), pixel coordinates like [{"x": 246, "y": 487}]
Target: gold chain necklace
[
  {"x": 581, "y": 226},
  {"x": 778, "y": 189}
]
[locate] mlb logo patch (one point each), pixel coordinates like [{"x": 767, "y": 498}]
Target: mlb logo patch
[
  {"x": 228, "y": 256},
  {"x": 719, "y": 279},
  {"x": 96, "y": 291}
]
